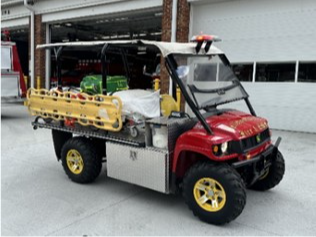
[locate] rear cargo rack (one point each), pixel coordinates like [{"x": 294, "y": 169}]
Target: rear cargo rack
[{"x": 88, "y": 132}]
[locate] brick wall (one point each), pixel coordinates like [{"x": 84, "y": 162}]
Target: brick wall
[
  {"x": 183, "y": 21},
  {"x": 40, "y": 38},
  {"x": 182, "y": 35},
  {"x": 165, "y": 36}
]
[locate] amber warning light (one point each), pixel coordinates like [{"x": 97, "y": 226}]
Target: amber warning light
[{"x": 208, "y": 39}]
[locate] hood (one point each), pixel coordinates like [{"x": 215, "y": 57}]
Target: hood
[{"x": 236, "y": 124}]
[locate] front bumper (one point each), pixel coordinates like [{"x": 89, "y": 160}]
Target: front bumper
[{"x": 261, "y": 162}]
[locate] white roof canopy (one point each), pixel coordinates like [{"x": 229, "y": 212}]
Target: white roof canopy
[{"x": 166, "y": 48}]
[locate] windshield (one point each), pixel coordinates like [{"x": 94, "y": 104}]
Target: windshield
[{"x": 209, "y": 81}]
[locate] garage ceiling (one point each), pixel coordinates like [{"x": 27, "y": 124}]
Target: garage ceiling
[{"x": 145, "y": 25}]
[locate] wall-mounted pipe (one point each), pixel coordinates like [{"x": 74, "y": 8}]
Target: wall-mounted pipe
[
  {"x": 47, "y": 57},
  {"x": 174, "y": 21},
  {"x": 28, "y": 4},
  {"x": 172, "y": 86}
]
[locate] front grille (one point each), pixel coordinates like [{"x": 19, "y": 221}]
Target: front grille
[
  {"x": 246, "y": 144},
  {"x": 255, "y": 140}
]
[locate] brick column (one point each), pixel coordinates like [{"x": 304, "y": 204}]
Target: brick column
[
  {"x": 40, "y": 38},
  {"x": 165, "y": 36},
  {"x": 183, "y": 21},
  {"x": 182, "y": 35},
  {"x": 183, "y": 27}
]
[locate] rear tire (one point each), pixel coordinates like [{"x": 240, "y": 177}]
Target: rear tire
[
  {"x": 273, "y": 176},
  {"x": 214, "y": 192},
  {"x": 80, "y": 160}
]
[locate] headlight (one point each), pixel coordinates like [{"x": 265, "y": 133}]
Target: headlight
[
  {"x": 220, "y": 149},
  {"x": 224, "y": 147}
]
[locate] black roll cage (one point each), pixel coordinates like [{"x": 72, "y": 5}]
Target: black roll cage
[
  {"x": 105, "y": 49},
  {"x": 171, "y": 66}
]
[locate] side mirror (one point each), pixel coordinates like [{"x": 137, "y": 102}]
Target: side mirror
[{"x": 183, "y": 71}]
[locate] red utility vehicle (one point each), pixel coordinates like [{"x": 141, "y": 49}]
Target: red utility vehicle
[{"x": 210, "y": 153}]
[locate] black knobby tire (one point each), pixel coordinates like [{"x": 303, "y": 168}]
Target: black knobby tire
[
  {"x": 273, "y": 177},
  {"x": 92, "y": 162},
  {"x": 232, "y": 184}
]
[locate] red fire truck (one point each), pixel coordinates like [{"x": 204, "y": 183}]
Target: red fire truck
[{"x": 13, "y": 86}]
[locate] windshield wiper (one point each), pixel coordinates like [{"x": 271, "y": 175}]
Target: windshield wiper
[{"x": 206, "y": 106}]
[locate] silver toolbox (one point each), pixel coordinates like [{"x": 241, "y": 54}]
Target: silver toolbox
[{"x": 146, "y": 167}]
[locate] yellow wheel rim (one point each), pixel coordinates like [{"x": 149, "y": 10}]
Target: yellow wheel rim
[
  {"x": 74, "y": 161},
  {"x": 209, "y": 194}
]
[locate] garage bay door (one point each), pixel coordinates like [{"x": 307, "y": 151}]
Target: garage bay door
[{"x": 276, "y": 40}]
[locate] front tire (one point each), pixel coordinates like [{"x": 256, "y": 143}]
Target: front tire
[
  {"x": 80, "y": 160},
  {"x": 214, "y": 192},
  {"x": 273, "y": 176}
]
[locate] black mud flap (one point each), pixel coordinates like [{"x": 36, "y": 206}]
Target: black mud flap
[{"x": 59, "y": 139}]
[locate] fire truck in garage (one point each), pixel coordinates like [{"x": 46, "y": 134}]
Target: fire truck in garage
[
  {"x": 209, "y": 153},
  {"x": 13, "y": 86}
]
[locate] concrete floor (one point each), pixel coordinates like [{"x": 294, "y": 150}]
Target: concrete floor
[{"x": 39, "y": 199}]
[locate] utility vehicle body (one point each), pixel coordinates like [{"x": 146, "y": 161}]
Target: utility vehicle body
[{"x": 209, "y": 154}]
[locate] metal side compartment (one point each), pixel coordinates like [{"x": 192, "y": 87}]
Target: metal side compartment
[
  {"x": 10, "y": 86},
  {"x": 146, "y": 167}
]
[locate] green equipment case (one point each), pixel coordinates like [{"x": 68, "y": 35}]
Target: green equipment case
[{"x": 92, "y": 84}]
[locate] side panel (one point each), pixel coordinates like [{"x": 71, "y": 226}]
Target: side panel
[
  {"x": 6, "y": 58},
  {"x": 10, "y": 85},
  {"x": 146, "y": 167}
]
